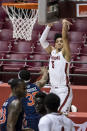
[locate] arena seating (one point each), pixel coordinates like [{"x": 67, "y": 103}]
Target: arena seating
[
  {"x": 38, "y": 27},
  {"x": 5, "y": 47},
  {"x": 22, "y": 47},
  {"x": 57, "y": 26},
  {"x": 35, "y": 36},
  {"x": 12, "y": 65},
  {"x": 83, "y": 50},
  {"x": 82, "y": 58},
  {"x": 37, "y": 49},
  {"x": 75, "y": 36},
  {"x": 79, "y": 25},
  {"x": 75, "y": 48},
  {"x": 36, "y": 65},
  {"x": 7, "y": 24},
  {"x": 2, "y": 55},
  {"x": 51, "y": 35},
  {"x": 3, "y": 14},
  {"x": 6, "y": 34},
  {"x": 1, "y": 24},
  {"x": 80, "y": 69}
]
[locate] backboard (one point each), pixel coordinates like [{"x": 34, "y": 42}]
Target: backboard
[
  {"x": 47, "y": 11},
  {"x": 52, "y": 10}
]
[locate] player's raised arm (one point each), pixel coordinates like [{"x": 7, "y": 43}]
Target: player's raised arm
[
  {"x": 43, "y": 41},
  {"x": 13, "y": 114},
  {"x": 66, "y": 47},
  {"x": 40, "y": 83}
]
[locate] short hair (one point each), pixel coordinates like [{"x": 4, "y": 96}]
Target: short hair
[
  {"x": 41, "y": 95},
  {"x": 52, "y": 102},
  {"x": 57, "y": 35},
  {"x": 24, "y": 75},
  {"x": 14, "y": 83}
]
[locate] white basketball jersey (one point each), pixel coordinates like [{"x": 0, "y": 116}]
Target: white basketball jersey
[
  {"x": 58, "y": 69},
  {"x": 55, "y": 122}
]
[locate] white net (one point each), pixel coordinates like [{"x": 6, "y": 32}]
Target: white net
[{"x": 23, "y": 21}]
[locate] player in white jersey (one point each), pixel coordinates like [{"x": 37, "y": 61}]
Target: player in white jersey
[
  {"x": 59, "y": 64},
  {"x": 53, "y": 121}
]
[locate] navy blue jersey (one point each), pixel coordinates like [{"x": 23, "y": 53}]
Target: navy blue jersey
[
  {"x": 4, "y": 115},
  {"x": 31, "y": 117},
  {"x": 28, "y": 102}
]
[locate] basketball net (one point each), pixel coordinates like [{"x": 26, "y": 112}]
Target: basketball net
[{"x": 23, "y": 21}]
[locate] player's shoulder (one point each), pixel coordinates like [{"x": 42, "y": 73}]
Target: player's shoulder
[
  {"x": 45, "y": 119},
  {"x": 44, "y": 123},
  {"x": 66, "y": 119},
  {"x": 16, "y": 103}
]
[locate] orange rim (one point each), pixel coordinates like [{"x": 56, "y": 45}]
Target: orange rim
[{"x": 22, "y": 5}]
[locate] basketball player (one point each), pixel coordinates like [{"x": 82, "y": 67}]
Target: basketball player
[
  {"x": 59, "y": 65},
  {"x": 11, "y": 114},
  {"x": 53, "y": 121},
  {"x": 31, "y": 117},
  {"x": 39, "y": 103}
]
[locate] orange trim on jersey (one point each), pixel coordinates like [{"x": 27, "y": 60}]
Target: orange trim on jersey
[
  {"x": 3, "y": 116},
  {"x": 65, "y": 99}
]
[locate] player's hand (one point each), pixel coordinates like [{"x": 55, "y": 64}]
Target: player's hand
[
  {"x": 66, "y": 22},
  {"x": 50, "y": 24}
]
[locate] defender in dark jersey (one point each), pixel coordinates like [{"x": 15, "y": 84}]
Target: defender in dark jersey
[
  {"x": 31, "y": 117},
  {"x": 11, "y": 114}
]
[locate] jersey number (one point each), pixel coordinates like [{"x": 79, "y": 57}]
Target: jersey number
[
  {"x": 52, "y": 64},
  {"x": 2, "y": 116},
  {"x": 31, "y": 100}
]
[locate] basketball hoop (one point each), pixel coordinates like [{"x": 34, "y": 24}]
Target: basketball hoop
[{"x": 23, "y": 17}]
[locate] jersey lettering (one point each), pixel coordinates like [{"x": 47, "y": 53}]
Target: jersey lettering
[
  {"x": 2, "y": 116},
  {"x": 30, "y": 97},
  {"x": 52, "y": 64}
]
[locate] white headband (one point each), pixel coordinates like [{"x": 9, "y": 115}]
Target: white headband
[{"x": 24, "y": 80}]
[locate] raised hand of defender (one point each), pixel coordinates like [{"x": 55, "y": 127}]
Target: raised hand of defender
[{"x": 44, "y": 69}]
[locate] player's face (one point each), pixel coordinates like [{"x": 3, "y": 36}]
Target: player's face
[
  {"x": 59, "y": 43},
  {"x": 21, "y": 89},
  {"x": 39, "y": 105}
]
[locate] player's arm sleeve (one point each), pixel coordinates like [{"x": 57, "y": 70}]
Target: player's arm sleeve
[
  {"x": 45, "y": 125},
  {"x": 43, "y": 38},
  {"x": 43, "y": 41},
  {"x": 13, "y": 114}
]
